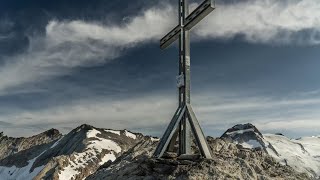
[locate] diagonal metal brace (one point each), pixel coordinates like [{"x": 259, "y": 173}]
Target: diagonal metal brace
[
  {"x": 166, "y": 138},
  {"x": 198, "y": 134}
]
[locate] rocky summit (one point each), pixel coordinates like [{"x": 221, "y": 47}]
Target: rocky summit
[
  {"x": 242, "y": 152},
  {"x": 229, "y": 162}
]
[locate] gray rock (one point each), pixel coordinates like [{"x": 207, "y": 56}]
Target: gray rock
[{"x": 229, "y": 162}]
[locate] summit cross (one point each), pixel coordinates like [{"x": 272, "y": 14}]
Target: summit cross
[{"x": 184, "y": 120}]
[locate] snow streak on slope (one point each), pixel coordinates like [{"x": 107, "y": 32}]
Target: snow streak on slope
[
  {"x": 81, "y": 160},
  {"x": 130, "y": 135},
  {"x": 240, "y": 131},
  {"x": 112, "y": 131},
  {"x": 56, "y": 143},
  {"x": 153, "y": 139},
  {"x": 302, "y": 154},
  {"x": 251, "y": 144},
  {"x": 102, "y": 143},
  {"x": 23, "y": 173}
]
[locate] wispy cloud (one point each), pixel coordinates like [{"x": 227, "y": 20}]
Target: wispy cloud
[
  {"x": 294, "y": 124},
  {"x": 131, "y": 113},
  {"x": 69, "y": 44},
  {"x": 152, "y": 113},
  {"x": 265, "y": 21}
]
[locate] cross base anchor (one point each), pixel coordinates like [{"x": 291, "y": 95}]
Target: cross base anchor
[{"x": 167, "y": 141}]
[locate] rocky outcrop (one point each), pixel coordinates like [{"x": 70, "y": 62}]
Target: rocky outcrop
[
  {"x": 10, "y": 145},
  {"x": 229, "y": 162},
  {"x": 246, "y": 135}
]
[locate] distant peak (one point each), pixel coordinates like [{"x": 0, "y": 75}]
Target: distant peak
[
  {"x": 52, "y": 132},
  {"x": 85, "y": 126},
  {"x": 241, "y": 128}
]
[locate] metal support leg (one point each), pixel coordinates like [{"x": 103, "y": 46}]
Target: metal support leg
[
  {"x": 182, "y": 136},
  {"x": 197, "y": 131},
  {"x": 188, "y": 139},
  {"x": 166, "y": 138},
  {"x": 185, "y": 136},
  {"x": 173, "y": 140}
]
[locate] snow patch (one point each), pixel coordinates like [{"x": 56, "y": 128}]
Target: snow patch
[
  {"x": 102, "y": 143},
  {"x": 81, "y": 160},
  {"x": 106, "y": 158},
  {"x": 20, "y": 173},
  {"x": 240, "y": 131},
  {"x": 251, "y": 144},
  {"x": 154, "y": 139},
  {"x": 302, "y": 154},
  {"x": 130, "y": 135},
  {"x": 112, "y": 131}
]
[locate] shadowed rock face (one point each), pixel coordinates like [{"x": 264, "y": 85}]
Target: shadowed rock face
[
  {"x": 246, "y": 134},
  {"x": 10, "y": 146},
  {"x": 241, "y": 128},
  {"x": 229, "y": 162},
  {"x": 75, "y": 155}
]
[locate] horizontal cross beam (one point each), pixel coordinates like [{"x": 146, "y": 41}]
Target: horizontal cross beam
[
  {"x": 196, "y": 16},
  {"x": 172, "y": 36}
]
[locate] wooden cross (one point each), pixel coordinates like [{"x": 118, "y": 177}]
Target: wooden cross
[{"x": 184, "y": 120}]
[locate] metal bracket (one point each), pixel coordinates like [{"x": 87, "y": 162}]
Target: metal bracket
[{"x": 180, "y": 80}]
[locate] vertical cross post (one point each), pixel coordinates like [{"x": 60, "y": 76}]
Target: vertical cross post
[
  {"x": 184, "y": 72},
  {"x": 184, "y": 120}
]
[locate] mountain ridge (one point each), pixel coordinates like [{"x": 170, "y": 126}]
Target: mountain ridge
[{"x": 88, "y": 152}]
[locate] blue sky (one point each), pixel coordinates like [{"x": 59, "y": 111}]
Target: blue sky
[{"x": 65, "y": 63}]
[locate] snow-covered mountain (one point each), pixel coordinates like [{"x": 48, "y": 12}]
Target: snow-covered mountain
[
  {"x": 95, "y": 153},
  {"x": 302, "y": 154},
  {"x": 73, "y": 156}
]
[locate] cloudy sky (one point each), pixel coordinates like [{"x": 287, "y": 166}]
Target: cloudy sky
[{"x": 65, "y": 63}]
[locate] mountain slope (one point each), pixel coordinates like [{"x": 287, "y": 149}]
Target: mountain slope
[
  {"x": 10, "y": 145},
  {"x": 302, "y": 154},
  {"x": 19, "y": 154},
  {"x": 73, "y": 156}
]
